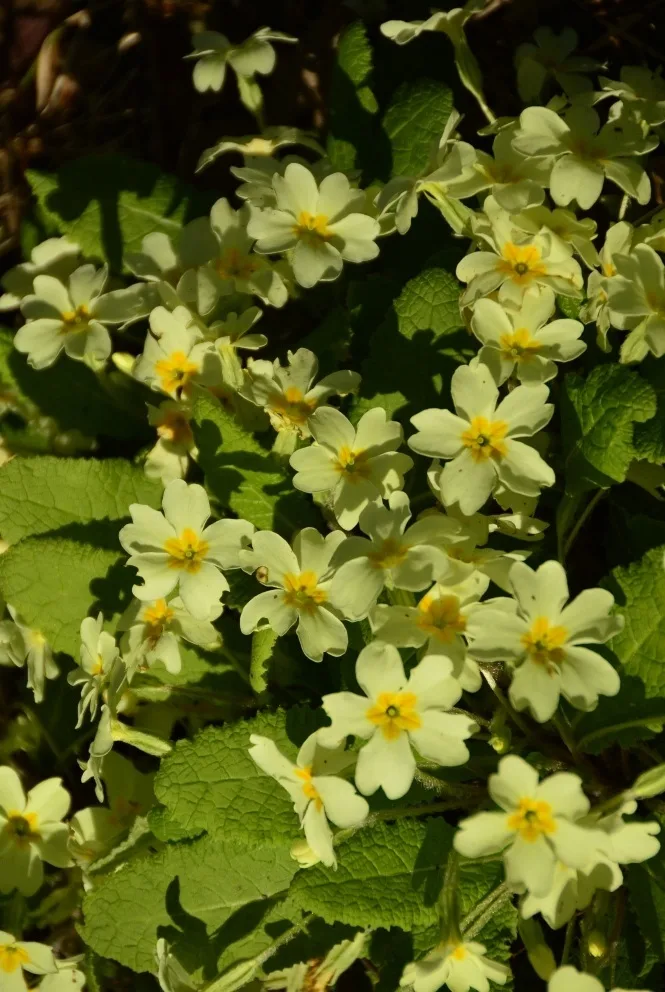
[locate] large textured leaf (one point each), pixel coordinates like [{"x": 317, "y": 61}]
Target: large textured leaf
[
  {"x": 42, "y": 494},
  {"x": 54, "y": 582},
  {"x": 354, "y": 138},
  {"x": 243, "y": 476},
  {"x": 417, "y": 347},
  {"x": 598, "y": 416},
  {"x": 211, "y": 783},
  {"x": 108, "y": 203},
  {"x": 388, "y": 875},
  {"x": 649, "y": 438},
  {"x": 414, "y": 122},
  {"x": 72, "y": 394},
  {"x": 211, "y": 880}
]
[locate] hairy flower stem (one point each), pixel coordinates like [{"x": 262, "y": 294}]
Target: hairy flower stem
[
  {"x": 566, "y": 545},
  {"x": 481, "y": 914},
  {"x": 397, "y": 814},
  {"x": 568, "y": 941}
]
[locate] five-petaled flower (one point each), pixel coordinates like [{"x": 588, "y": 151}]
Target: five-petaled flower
[
  {"x": 536, "y": 829},
  {"x": 544, "y": 640},
  {"x": 358, "y": 466},
  {"x": 318, "y": 794},
  {"x": 176, "y": 549},
  {"x": 17, "y": 956},
  {"x": 301, "y": 579},
  {"x": 396, "y": 714},
  {"x": 459, "y": 964},
  {"x": 31, "y": 831},
  {"x": 481, "y": 439}
]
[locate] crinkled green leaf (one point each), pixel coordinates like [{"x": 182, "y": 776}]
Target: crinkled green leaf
[
  {"x": 649, "y": 438},
  {"x": 416, "y": 348},
  {"x": 73, "y": 395},
  {"x": 388, "y": 875},
  {"x": 639, "y": 590},
  {"x": 211, "y": 783},
  {"x": 598, "y": 416},
  {"x": 243, "y": 476},
  {"x": 108, "y": 203},
  {"x": 54, "y": 582},
  {"x": 215, "y": 880},
  {"x": 42, "y": 494},
  {"x": 353, "y": 132},
  {"x": 646, "y": 892},
  {"x": 414, "y": 122}
]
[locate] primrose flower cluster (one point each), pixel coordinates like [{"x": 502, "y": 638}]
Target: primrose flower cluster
[{"x": 441, "y": 613}]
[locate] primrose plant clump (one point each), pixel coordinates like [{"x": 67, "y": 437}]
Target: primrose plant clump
[{"x": 333, "y": 571}]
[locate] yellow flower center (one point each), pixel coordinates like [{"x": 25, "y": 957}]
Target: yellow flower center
[
  {"x": 22, "y": 827},
  {"x": 502, "y": 173},
  {"x": 389, "y": 554},
  {"x": 459, "y": 953},
  {"x": 302, "y": 591},
  {"x": 76, "y": 320},
  {"x": 484, "y": 438},
  {"x": 291, "y": 408},
  {"x": 157, "y": 618},
  {"x": 235, "y": 264},
  {"x": 12, "y": 957},
  {"x": 175, "y": 371},
  {"x": 98, "y": 667},
  {"x": 521, "y": 263},
  {"x": 352, "y": 463},
  {"x": 440, "y": 617},
  {"x": 308, "y": 787},
  {"x": 175, "y": 427},
  {"x": 312, "y": 226},
  {"x": 544, "y": 642},
  {"x": 394, "y": 712},
  {"x": 532, "y": 818},
  {"x": 519, "y": 346},
  {"x": 609, "y": 269},
  {"x": 186, "y": 551}
]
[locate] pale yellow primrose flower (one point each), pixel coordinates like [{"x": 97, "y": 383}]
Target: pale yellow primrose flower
[
  {"x": 19, "y": 955},
  {"x": 459, "y": 965},
  {"x": 396, "y": 715},
  {"x": 516, "y": 181},
  {"x": 572, "y": 890},
  {"x": 31, "y": 831},
  {"x": 586, "y": 154},
  {"x": 618, "y": 241},
  {"x": 392, "y": 555},
  {"x": 517, "y": 262},
  {"x": 231, "y": 266},
  {"x": 213, "y": 52},
  {"x": 437, "y": 624},
  {"x": 481, "y": 439},
  {"x": 175, "y": 354},
  {"x": 22, "y": 645},
  {"x": 641, "y": 91},
  {"x": 636, "y": 302},
  {"x": 358, "y": 466},
  {"x": 301, "y": 579},
  {"x": 176, "y": 548},
  {"x": 536, "y": 828},
  {"x": 288, "y": 394},
  {"x": 73, "y": 318},
  {"x": 569, "y": 979},
  {"x": 525, "y": 342},
  {"x": 552, "y": 55},
  {"x": 98, "y": 654},
  {"x": 152, "y": 630},
  {"x": 544, "y": 640},
  {"x": 169, "y": 458},
  {"x": 564, "y": 227},
  {"x": 323, "y": 225},
  {"x": 318, "y": 794},
  {"x": 57, "y": 257}
]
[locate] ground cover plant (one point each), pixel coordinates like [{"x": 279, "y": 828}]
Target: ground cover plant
[{"x": 332, "y": 648}]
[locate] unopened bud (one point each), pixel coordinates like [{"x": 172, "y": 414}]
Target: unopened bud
[
  {"x": 304, "y": 855},
  {"x": 596, "y": 943}
]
